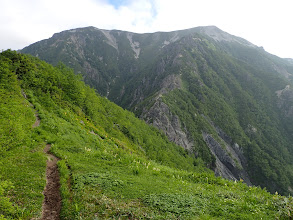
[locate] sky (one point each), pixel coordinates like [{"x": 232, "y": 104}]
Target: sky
[{"x": 266, "y": 23}]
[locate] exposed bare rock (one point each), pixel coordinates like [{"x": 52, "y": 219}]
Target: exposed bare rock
[
  {"x": 170, "y": 83},
  {"x": 281, "y": 70},
  {"x": 282, "y": 91},
  {"x": 161, "y": 117},
  {"x": 174, "y": 38},
  {"x": 78, "y": 43},
  {"x": 250, "y": 129},
  {"x": 285, "y": 101},
  {"x": 111, "y": 40},
  {"x": 230, "y": 162},
  {"x": 219, "y": 35},
  {"x": 134, "y": 45}
]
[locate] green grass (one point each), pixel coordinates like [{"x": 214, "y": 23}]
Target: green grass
[
  {"x": 22, "y": 163},
  {"x": 109, "y": 181},
  {"x": 112, "y": 165}
]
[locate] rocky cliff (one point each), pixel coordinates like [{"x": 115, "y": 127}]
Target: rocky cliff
[
  {"x": 161, "y": 117},
  {"x": 230, "y": 161}
]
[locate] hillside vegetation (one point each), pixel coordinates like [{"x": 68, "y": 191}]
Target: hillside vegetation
[
  {"x": 222, "y": 98},
  {"x": 112, "y": 165}
]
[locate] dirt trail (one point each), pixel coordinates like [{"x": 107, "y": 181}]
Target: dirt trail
[
  {"x": 52, "y": 201},
  {"x": 38, "y": 120}
]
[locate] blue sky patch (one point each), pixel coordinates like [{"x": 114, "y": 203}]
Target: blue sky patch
[{"x": 117, "y": 3}]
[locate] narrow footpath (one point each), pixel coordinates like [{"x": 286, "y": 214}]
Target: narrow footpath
[{"x": 52, "y": 201}]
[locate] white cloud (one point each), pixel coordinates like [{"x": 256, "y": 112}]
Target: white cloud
[{"x": 265, "y": 23}]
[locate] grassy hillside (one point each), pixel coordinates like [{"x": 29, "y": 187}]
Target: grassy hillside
[{"x": 111, "y": 165}]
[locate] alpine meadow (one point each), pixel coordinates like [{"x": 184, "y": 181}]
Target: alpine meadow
[{"x": 190, "y": 124}]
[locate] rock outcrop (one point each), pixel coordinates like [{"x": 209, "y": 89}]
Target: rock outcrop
[
  {"x": 285, "y": 101},
  {"x": 161, "y": 117},
  {"x": 230, "y": 162}
]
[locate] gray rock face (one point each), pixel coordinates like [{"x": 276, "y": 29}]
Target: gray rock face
[
  {"x": 219, "y": 35},
  {"x": 161, "y": 117},
  {"x": 285, "y": 101},
  {"x": 230, "y": 162}
]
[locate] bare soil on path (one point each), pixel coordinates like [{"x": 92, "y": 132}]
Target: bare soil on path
[
  {"x": 38, "y": 120},
  {"x": 52, "y": 202}
]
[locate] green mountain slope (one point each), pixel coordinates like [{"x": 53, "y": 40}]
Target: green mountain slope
[
  {"x": 112, "y": 165},
  {"x": 220, "y": 97}
]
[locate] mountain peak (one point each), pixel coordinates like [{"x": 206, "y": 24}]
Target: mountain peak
[{"x": 219, "y": 35}]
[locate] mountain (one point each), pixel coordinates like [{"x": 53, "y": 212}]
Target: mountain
[
  {"x": 220, "y": 97},
  {"x": 102, "y": 161},
  {"x": 289, "y": 60}
]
